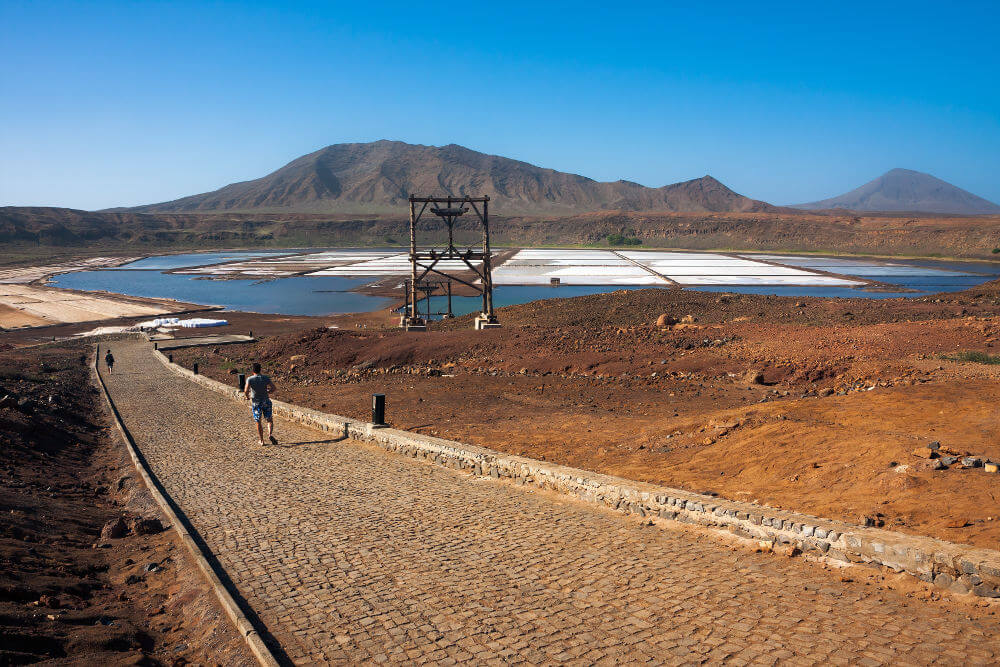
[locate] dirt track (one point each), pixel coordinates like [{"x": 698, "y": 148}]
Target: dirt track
[{"x": 809, "y": 404}]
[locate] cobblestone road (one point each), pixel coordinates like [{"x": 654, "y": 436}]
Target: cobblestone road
[{"x": 350, "y": 554}]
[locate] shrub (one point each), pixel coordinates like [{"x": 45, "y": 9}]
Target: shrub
[
  {"x": 974, "y": 357},
  {"x": 621, "y": 239}
]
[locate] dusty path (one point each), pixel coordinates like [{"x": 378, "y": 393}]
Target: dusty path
[{"x": 350, "y": 554}]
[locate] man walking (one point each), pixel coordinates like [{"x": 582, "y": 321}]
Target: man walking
[
  {"x": 109, "y": 359},
  {"x": 258, "y": 389}
]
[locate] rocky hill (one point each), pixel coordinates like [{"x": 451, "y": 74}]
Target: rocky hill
[
  {"x": 378, "y": 177},
  {"x": 906, "y": 190}
]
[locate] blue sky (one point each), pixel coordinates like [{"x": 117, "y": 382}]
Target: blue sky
[{"x": 109, "y": 104}]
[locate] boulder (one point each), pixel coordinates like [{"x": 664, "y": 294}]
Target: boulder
[
  {"x": 145, "y": 525},
  {"x": 297, "y": 357},
  {"x": 754, "y": 376},
  {"x": 924, "y": 452},
  {"x": 114, "y": 530},
  {"x": 665, "y": 320},
  {"x": 689, "y": 319}
]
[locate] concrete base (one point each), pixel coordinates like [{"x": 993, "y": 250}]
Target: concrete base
[
  {"x": 415, "y": 327},
  {"x": 483, "y": 323}
]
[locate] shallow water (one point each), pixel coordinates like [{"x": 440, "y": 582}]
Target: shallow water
[
  {"x": 325, "y": 295},
  {"x": 165, "y": 262},
  {"x": 301, "y": 295}
]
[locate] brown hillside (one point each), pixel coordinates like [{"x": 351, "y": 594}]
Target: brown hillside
[{"x": 378, "y": 177}]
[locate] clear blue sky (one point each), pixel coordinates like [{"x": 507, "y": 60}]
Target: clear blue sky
[{"x": 108, "y": 104}]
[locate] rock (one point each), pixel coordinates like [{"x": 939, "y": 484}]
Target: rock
[
  {"x": 8, "y": 401},
  {"x": 708, "y": 441},
  {"x": 924, "y": 452},
  {"x": 297, "y": 357},
  {"x": 989, "y": 466},
  {"x": 971, "y": 462},
  {"x": 145, "y": 526},
  {"x": 689, "y": 319},
  {"x": 934, "y": 445},
  {"x": 754, "y": 376},
  {"x": 49, "y": 601},
  {"x": 826, "y": 392},
  {"x": 787, "y": 550},
  {"x": 665, "y": 320},
  {"x": 960, "y": 522},
  {"x": 114, "y": 530},
  {"x": 949, "y": 460},
  {"x": 800, "y": 304}
]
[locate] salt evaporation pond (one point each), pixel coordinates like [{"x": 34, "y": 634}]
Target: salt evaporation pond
[{"x": 321, "y": 282}]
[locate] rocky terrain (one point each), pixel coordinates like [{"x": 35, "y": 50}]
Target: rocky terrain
[
  {"x": 871, "y": 411},
  {"x": 88, "y": 573},
  {"x": 34, "y": 235}
]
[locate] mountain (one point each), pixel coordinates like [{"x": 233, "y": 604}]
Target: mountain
[
  {"x": 378, "y": 177},
  {"x": 906, "y": 190}
]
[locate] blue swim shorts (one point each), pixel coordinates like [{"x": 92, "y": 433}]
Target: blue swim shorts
[{"x": 260, "y": 410}]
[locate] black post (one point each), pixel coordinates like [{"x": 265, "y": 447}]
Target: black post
[
  {"x": 156, "y": 346},
  {"x": 170, "y": 357},
  {"x": 378, "y": 409},
  {"x": 195, "y": 368},
  {"x": 251, "y": 333},
  {"x": 243, "y": 381}
]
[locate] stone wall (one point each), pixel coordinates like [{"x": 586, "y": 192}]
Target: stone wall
[{"x": 958, "y": 568}]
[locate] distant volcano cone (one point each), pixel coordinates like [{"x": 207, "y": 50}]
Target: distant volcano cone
[{"x": 906, "y": 190}]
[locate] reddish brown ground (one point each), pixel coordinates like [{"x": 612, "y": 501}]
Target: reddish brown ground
[
  {"x": 66, "y": 594},
  {"x": 591, "y": 382}
]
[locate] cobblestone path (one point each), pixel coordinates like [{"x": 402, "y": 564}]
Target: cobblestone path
[{"x": 350, "y": 554}]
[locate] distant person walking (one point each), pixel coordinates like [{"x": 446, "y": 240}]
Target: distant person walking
[
  {"x": 258, "y": 389},
  {"x": 109, "y": 359}
]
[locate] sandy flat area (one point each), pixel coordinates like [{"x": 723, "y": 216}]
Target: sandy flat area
[{"x": 32, "y": 306}]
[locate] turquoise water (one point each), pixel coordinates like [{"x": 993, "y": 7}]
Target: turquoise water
[
  {"x": 326, "y": 295},
  {"x": 301, "y": 295}
]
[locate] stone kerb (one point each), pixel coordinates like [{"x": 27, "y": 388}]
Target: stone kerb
[{"x": 958, "y": 568}]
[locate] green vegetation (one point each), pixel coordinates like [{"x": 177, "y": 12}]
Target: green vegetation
[
  {"x": 974, "y": 357},
  {"x": 996, "y": 251},
  {"x": 621, "y": 239}
]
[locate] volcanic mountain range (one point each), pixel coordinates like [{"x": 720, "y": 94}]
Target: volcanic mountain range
[{"x": 377, "y": 178}]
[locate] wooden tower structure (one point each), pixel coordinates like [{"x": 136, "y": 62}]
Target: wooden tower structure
[{"x": 424, "y": 262}]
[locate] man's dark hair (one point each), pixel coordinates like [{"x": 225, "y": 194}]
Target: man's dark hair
[{"x": 256, "y": 368}]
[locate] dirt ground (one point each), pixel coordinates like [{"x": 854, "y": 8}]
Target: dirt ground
[
  {"x": 72, "y": 590},
  {"x": 816, "y": 405}
]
